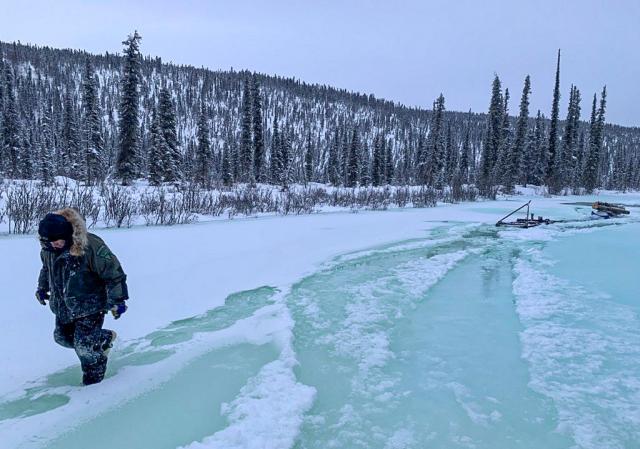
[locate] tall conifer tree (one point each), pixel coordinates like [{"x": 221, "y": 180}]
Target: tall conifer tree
[{"x": 127, "y": 166}]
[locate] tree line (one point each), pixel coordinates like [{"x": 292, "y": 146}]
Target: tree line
[{"x": 128, "y": 117}]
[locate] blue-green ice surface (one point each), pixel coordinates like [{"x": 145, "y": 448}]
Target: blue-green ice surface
[{"x": 468, "y": 338}]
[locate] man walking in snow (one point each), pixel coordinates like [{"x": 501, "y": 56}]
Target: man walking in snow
[{"x": 82, "y": 280}]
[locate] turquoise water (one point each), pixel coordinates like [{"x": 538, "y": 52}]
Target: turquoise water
[{"x": 468, "y": 338}]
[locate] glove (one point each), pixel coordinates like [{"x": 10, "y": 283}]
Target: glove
[
  {"x": 118, "y": 310},
  {"x": 42, "y": 296}
]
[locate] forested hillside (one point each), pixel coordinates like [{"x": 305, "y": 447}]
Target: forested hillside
[{"x": 125, "y": 117}]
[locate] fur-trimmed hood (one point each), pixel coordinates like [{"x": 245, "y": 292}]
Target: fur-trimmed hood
[{"x": 80, "y": 236}]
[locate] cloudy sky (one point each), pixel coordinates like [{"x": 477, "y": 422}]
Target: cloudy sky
[{"x": 405, "y": 51}]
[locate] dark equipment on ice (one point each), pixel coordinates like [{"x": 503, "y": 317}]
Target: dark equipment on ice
[
  {"x": 529, "y": 222},
  {"x": 608, "y": 210}
]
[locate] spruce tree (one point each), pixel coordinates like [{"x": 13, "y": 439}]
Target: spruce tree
[
  {"x": 436, "y": 146},
  {"x": 353, "y": 168},
  {"x": 157, "y": 152},
  {"x": 365, "y": 165},
  {"x": 46, "y": 165},
  {"x": 389, "y": 171},
  {"x": 451, "y": 158},
  {"x": 246, "y": 142},
  {"x": 539, "y": 150},
  {"x": 492, "y": 140},
  {"x": 377, "y": 168},
  {"x": 553, "y": 180},
  {"x": 308, "y": 161},
  {"x": 127, "y": 167},
  {"x": 590, "y": 174},
  {"x": 94, "y": 145},
  {"x": 600, "y": 128},
  {"x": 259, "y": 156},
  {"x": 501, "y": 167},
  {"x": 204, "y": 156},
  {"x": 465, "y": 155},
  {"x": 568, "y": 156},
  {"x": 11, "y": 129},
  {"x": 275, "y": 163},
  {"x": 227, "y": 171},
  {"x": 590, "y": 178},
  {"x": 72, "y": 161},
  {"x": 172, "y": 161},
  {"x": 333, "y": 165},
  {"x": 518, "y": 163},
  {"x": 285, "y": 158},
  {"x": 27, "y": 159}
]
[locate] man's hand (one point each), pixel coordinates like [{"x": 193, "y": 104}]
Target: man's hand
[
  {"x": 118, "y": 309},
  {"x": 42, "y": 296}
]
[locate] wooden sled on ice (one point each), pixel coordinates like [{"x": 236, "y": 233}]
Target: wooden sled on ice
[
  {"x": 529, "y": 222},
  {"x": 607, "y": 210}
]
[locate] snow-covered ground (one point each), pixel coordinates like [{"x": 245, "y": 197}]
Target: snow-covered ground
[{"x": 187, "y": 272}]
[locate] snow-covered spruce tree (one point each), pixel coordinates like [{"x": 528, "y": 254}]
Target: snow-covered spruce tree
[
  {"x": 46, "y": 162},
  {"x": 552, "y": 177},
  {"x": 377, "y": 164},
  {"x": 204, "y": 156},
  {"x": 345, "y": 151},
  {"x": 605, "y": 156},
  {"x": 492, "y": 139},
  {"x": 568, "y": 155},
  {"x": 127, "y": 167},
  {"x": 353, "y": 167},
  {"x": 389, "y": 167},
  {"x": 333, "y": 164},
  {"x": 27, "y": 162},
  {"x": 308, "y": 161},
  {"x": 518, "y": 162},
  {"x": 246, "y": 141},
  {"x": 578, "y": 166},
  {"x": 227, "y": 171},
  {"x": 365, "y": 165},
  {"x": 501, "y": 166},
  {"x": 451, "y": 155},
  {"x": 465, "y": 155},
  {"x": 590, "y": 178},
  {"x": 73, "y": 162},
  {"x": 539, "y": 150},
  {"x": 284, "y": 160},
  {"x": 11, "y": 127},
  {"x": 420, "y": 161},
  {"x": 172, "y": 161},
  {"x": 93, "y": 141},
  {"x": 275, "y": 163},
  {"x": 436, "y": 146},
  {"x": 157, "y": 152},
  {"x": 259, "y": 154}
]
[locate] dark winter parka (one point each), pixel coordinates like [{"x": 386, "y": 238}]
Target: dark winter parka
[{"x": 84, "y": 279}]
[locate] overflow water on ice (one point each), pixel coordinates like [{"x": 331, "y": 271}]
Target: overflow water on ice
[{"x": 471, "y": 337}]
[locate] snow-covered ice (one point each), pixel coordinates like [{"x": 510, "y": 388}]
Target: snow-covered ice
[{"x": 391, "y": 329}]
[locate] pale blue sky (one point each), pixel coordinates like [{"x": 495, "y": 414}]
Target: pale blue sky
[{"x": 405, "y": 51}]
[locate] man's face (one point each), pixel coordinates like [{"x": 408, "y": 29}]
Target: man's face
[{"x": 58, "y": 244}]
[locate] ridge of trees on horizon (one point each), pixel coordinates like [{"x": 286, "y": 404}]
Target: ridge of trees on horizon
[{"x": 129, "y": 117}]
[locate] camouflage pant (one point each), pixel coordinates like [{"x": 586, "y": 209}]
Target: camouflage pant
[{"x": 86, "y": 336}]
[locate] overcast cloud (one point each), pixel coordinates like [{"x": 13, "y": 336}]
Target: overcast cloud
[{"x": 405, "y": 51}]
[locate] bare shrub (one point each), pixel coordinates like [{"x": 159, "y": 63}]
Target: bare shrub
[
  {"x": 162, "y": 208},
  {"x": 302, "y": 202},
  {"x": 26, "y": 203},
  {"x": 401, "y": 196},
  {"x": 119, "y": 206},
  {"x": 424, "y": 197},
  {"x": 85, "y": 202}
]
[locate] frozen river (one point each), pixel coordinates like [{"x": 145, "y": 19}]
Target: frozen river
[{"x": 468, "y": 337}]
